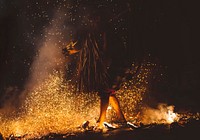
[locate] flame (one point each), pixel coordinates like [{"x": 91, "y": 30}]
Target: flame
[
  {"x": 171, "y": 116},
  {"x": 163, "y": 114}
]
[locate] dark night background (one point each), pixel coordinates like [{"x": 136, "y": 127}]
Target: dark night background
[{"x": 167, "y": 29}]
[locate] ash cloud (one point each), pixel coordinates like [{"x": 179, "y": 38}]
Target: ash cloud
[
  {"x": 49, "y": 55},
  {"x": 48, "y": 58}
]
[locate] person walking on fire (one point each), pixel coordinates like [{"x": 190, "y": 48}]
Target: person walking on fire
[{"x": 98, "y": 63}]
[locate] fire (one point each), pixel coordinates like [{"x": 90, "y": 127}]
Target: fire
[
  {"x": 171, "y": 116},
  {"x": 54, "y": 107},
  {"x": 163, "y": 114}
]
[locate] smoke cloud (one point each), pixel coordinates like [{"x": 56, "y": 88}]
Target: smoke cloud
[
  {"x": 162, "y": 114},
  {"x": 48, "y": 59},
  {"x": 49, "y": 54}
]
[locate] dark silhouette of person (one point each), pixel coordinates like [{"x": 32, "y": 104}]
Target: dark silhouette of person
[{"x": 97, "y": 64}]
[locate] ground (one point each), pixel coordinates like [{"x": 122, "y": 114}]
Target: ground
[{"x": 174, "y": 131}]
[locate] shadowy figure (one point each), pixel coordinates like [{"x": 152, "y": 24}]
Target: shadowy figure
[{"x": 97, "y": 65}]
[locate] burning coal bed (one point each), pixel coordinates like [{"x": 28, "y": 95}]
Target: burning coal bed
[
  {"x": 178, "y": 126},
  {"x": 163, "y": 123},
  {"x": 54, "y": 111}
]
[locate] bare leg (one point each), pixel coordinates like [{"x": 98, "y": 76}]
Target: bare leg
[
  {"x": 103, "y": 107},
  {"x": 115, "y": 104}
]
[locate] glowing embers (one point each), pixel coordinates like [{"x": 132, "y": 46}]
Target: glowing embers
[
  {"x": 170, "y": 115},
  {"x": 54, "y": 106},
  {"x": 163, "y": 114}
]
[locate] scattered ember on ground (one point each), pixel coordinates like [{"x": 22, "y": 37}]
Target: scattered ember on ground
[{"x": 55, "y": 108}]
